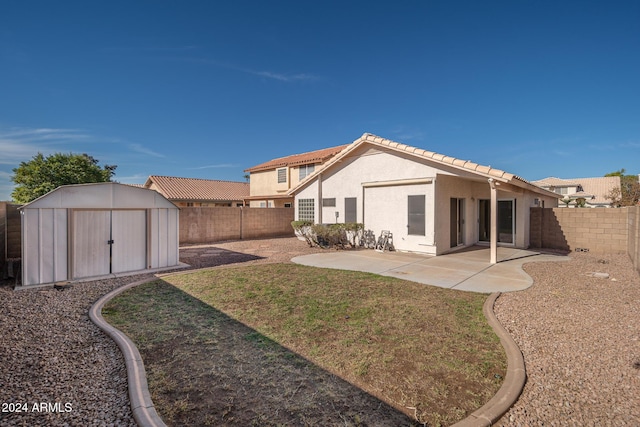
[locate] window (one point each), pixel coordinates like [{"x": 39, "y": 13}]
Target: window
[
  {"x": 282, "y": 175},
  {"x": 305, "y": 170},
  {"x": 287, "y": 205},
  {"x": 330, "y": 203},
  {"x": 416, "y": 215},
  {"x": 306, "y": 210},
  {"x": 350, "y": 209},
  {"x": 263, "y": 204}
]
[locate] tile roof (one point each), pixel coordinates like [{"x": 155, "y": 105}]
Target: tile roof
[
  {"x": 176, "y": 188},
  {"x": 598, "y": 187},
  {"x": 466, "y": 165},
  {"x": 311, "y": 157},
  {"x": 552, "y": 181}
]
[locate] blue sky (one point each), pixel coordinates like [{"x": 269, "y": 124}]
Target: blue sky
[{"x": 206, "y": 89}]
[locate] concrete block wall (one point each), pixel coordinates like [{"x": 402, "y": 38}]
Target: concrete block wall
[
  {"x": 598, "y": 230},
  {"x": 633, "y": 221},
  {"x": 14, "y": 232},
  {"x": 215, "y": 224},
  {"x": 262, "y": 223}
]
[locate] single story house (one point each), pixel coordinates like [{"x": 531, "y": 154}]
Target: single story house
[
  {"x": 272, "y": 180},
  {"x": 197, "y": 192},
  {"x": 587, "y": 192},
  {"x": 432, "y": 203},
  {"x": 91, "y": 230}
]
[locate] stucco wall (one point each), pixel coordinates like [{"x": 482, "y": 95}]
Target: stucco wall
[
  {"x": 207, "y": 225},
  {"x": 369, "y": 168},
  {"x": 266, "y": 182},
  {"x": 598, "y": 230}
]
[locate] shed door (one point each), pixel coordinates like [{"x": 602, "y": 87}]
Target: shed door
[
  {"x": 129, "y": 236},
  {"x": 106, "y": 242},
  {"x": 91, "y": 235}
]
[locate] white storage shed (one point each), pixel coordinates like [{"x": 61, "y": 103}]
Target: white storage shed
[{"x": 91, "y": 230}]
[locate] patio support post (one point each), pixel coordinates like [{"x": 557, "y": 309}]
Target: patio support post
[
  {"x": 319, "y": 178},
  {"x": 494, "y": 222}
]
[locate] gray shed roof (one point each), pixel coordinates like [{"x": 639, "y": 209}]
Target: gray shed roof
[{"x": 102, "y": 195}]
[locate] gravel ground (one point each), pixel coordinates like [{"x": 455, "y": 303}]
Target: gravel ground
[
  {"x": 580, "y": 337},
  {"x": 52, "y": 354}
]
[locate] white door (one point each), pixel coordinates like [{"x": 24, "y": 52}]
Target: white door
[
  {"x": 91, "y": 236},
  {"x": 129, "y": 236},
  {"x": 106, "y": 242}
]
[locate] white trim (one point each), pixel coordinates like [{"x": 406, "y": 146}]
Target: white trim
[{"x": 395, "y": 182}]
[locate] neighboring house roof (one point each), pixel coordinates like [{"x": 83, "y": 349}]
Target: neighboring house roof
[
  {"x": 552, "y": 181},
  {"x": 311, "y": 157},
  {"x": 176, "y": 188},
  {"x": 596, "y": 188},
  {"x": 465, "y": 165}
]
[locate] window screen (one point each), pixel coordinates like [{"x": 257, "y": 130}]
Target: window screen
[
  {"x": 416, "y": 218},
  {"x": 329, "y": 202},
  {"x": 350, "y": 209},
  {"x": 305, "y": 170},
  {"x": 282, "y": 175}
]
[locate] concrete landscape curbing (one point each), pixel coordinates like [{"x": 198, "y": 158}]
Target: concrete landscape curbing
[
  {"x": 146, "y": 416},
  {"x": 513, "y": 383},
  {"x": 141, "y": 405}
]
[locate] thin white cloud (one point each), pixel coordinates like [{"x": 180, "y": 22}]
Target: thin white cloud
[
  {"x": 133, "y": 179},
  {"x": 144, "y": 150},
  {"x": 21, "y": 144},
  {"x": 562, "y": 153},
  {"x": 402, "y": 134},
  {"x": 283, "y": 77},
  {"x": 42, "y": 134},
  {"x": 630, "y": 145}
]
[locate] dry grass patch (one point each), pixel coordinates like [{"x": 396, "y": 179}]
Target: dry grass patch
[{"x": 426, "y": 351}]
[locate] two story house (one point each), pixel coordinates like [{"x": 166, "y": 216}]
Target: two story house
[
  {"x": 271, "y": 181},
  {"x": 586, "y": 192}
]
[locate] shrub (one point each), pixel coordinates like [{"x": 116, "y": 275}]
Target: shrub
[
  {"x": 303, "y": 228},
  {"x": 330, "y": 235}
]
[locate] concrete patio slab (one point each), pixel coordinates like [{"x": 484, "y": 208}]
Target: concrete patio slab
[{"x": 466, "y": 270}]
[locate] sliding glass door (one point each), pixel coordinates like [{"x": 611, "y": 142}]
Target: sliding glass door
[{"x": 506, "y": 221}]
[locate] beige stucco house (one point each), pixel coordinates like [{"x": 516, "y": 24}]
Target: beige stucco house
[
  {"x": 588, "y": 192},
  {"x": 199, "y": 192},
  {"x": 271, "y": 181},
  {"x": 431, "y": 203}
]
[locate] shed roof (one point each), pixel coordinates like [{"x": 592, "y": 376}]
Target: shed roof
[
  {"x": 100, "y": 195},
  {"x": 176, "y": 188},
  {"x": 308, "y": 158},
  {"x": 441, "y": 159}
]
